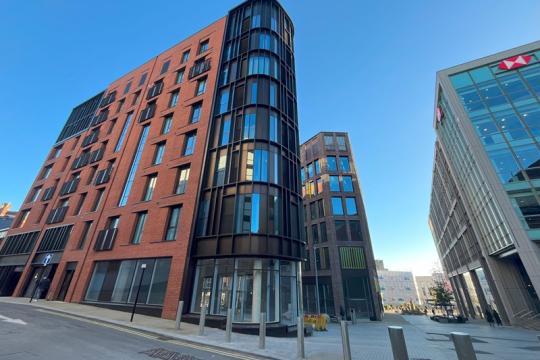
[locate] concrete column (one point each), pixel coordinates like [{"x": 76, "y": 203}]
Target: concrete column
[
  {"x": 479, "y": 293},
  {"x": 257, "y": 291},
  {"x": 457, "y": 296},
  {"x": 467, "y": 300}
]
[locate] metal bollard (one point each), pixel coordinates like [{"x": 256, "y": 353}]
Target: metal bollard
[
  {"x": 397, "y": 340},
  {"x": 262, "y": 331},
  {"x": 179, "y": 314},
  {"x": 464, "y": 347},
  {"x": 300, "y": 338},
  {"x": 345, "y": 341},
  {"x": 353, "y": 317},
  {"x": 202, "y": 319},
  {"x": 228, "y": 326}
]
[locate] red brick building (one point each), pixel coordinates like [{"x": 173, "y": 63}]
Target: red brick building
[{"x": 189, "y": 161}]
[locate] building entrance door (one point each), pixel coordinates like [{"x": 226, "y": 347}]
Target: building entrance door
[
  {"x": 39, "y": 272},
  {"x": 65, "y": 285}
]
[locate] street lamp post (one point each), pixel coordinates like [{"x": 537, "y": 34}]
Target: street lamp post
[
  {"x": 143, "y": 267},
  {"x": 318, "y": 305}
]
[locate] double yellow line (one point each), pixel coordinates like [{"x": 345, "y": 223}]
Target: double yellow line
[{"x": 155, "y": 337}]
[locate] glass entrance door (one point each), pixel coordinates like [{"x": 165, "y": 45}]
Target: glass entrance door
[{"x": 244, "y": 297}]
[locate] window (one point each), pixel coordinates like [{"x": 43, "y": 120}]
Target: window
[
  {"x": 150, "y": 186},
  {"x": 203, "y": 47},
  {"x": 136, "y": 97},
  {"x": 248, "y": 214},
  {"x": 180, "y": 76},
  {"x": 120, "y": 105},
  {"x": 158, "y": 154},
  {"x": 35, "y": 194},
  {"x": 80, "y": 204},
  {"x": 252, "y": 91},
  {"x": 250, "y": 123},
  {"x": 356, "y": 230},
  {"x": 185, "y": 57},
  {"x": 320, "y": 204},
  {"x": 322, "y": 258},
  {"x": 143, "y": 79},
  {"x": 315, "y": 234},
  {"x": 182, "y": 180},
  {"x": 273, "y": 94},
  {"x": 310, "y": 170},
  {"x": 201, "y": 86},
  {"x": 323, "y": 234},
  {"x": 195, "y": 113},
  {"x": 344, "y": 163},
  {"x": 189, "y": 143},
  {"x": 123, "y": 134},
  {"x": 128, "y": 86},
  {"x": 172, "y": 223},
  {"x": 319, "y": 185},
  {"x": 133, "y": 168},
  {"x": 313, "y": 210},
  {"x": 165, "y": 67},
  {"x": 342, "y": 146},
  {"x": 46, "y": 172},
  {"x": 56, "y": 153},
  {"x": 224, "y": 101},
  {"x": 225, "y": 131},
  {"x": 273, "y": 123},
  {"x": 174, "y": 98},
  {"x": 23, "y": 218},
  {"x": 84, "y": 235},
  {"x": 341, "y": 230},
  {"x": 97, "y": 201},
  {"x": 262, "y": 64},
  {"x": 347, "y": 183},
  {"x": 139, "y": 227},
  {"x": 352, "y": 258},
  {"x": 331, "y": 163},
  {"x": 167, "y": 124},
  {"x": 329, "y": 142},
  {"x": 317, "y": 167},
  {"x": 337, "y": 206},
  {"x": 350, "y": 204},
  {"x": 334, "y": 183}
]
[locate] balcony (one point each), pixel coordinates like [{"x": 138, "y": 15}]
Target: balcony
[
  {"x": 69, "y": 187},
  {"x": 101, "y": 117},
  {"x": 108, "y": 99},
  {"x": 96, "y": 155},
  {"x": 105, "y": 239},
  {"x": 57, "y": 215},
  {"x": 199, "y": 68},
  {"x": 148, "y": 113},
  {"x": 80, "y": 161},
  {"x": 155, "y": 90},
  {"x": 90, "y": 139},
  {"x": 48, "y": 193},
  {"x": 103, "y": 176}
]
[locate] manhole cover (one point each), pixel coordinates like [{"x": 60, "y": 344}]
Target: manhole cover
[{"x": 168, "y": 355}]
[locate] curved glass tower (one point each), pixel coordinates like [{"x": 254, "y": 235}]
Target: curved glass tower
[{"x": 247, "y": 244}]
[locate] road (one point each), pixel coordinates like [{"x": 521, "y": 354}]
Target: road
[{"x": 31, "y": 333}]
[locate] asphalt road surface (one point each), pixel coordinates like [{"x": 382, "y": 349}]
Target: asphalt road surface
[{"x": 28, "y": 333}]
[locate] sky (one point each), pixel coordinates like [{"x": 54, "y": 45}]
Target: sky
[{"x": 365, "y": 67}]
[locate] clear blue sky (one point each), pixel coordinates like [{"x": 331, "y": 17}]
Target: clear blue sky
[{"x": 366, "y": 67}]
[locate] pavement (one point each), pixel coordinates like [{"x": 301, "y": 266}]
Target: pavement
[{"x": 426, "y": 339}]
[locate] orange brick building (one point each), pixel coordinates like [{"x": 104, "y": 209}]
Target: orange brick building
[{"x": 187, "y": 165}]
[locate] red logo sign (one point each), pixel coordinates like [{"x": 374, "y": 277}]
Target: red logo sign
[{"x": 515, "y": 62}]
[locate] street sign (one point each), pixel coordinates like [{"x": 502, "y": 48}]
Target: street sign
[{"x": 47, "y": 259}]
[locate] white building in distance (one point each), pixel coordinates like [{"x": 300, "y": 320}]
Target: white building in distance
[{"x": 397, "y": 287}]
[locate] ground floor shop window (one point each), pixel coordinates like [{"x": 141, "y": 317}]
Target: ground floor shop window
[
  {"x": 249, "y": 287},
  {"x": 118, "y": 281}
]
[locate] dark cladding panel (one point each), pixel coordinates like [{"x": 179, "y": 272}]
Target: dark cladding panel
[{"x": 80, "y": 117}]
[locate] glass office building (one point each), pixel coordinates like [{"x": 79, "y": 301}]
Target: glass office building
[{"x": 485, "y": 208}]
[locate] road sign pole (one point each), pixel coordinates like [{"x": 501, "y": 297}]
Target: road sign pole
[{"x": 143, "y": 267}]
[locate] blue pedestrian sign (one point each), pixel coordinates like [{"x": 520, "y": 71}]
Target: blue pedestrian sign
[{"x": 47, "y": 259}]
